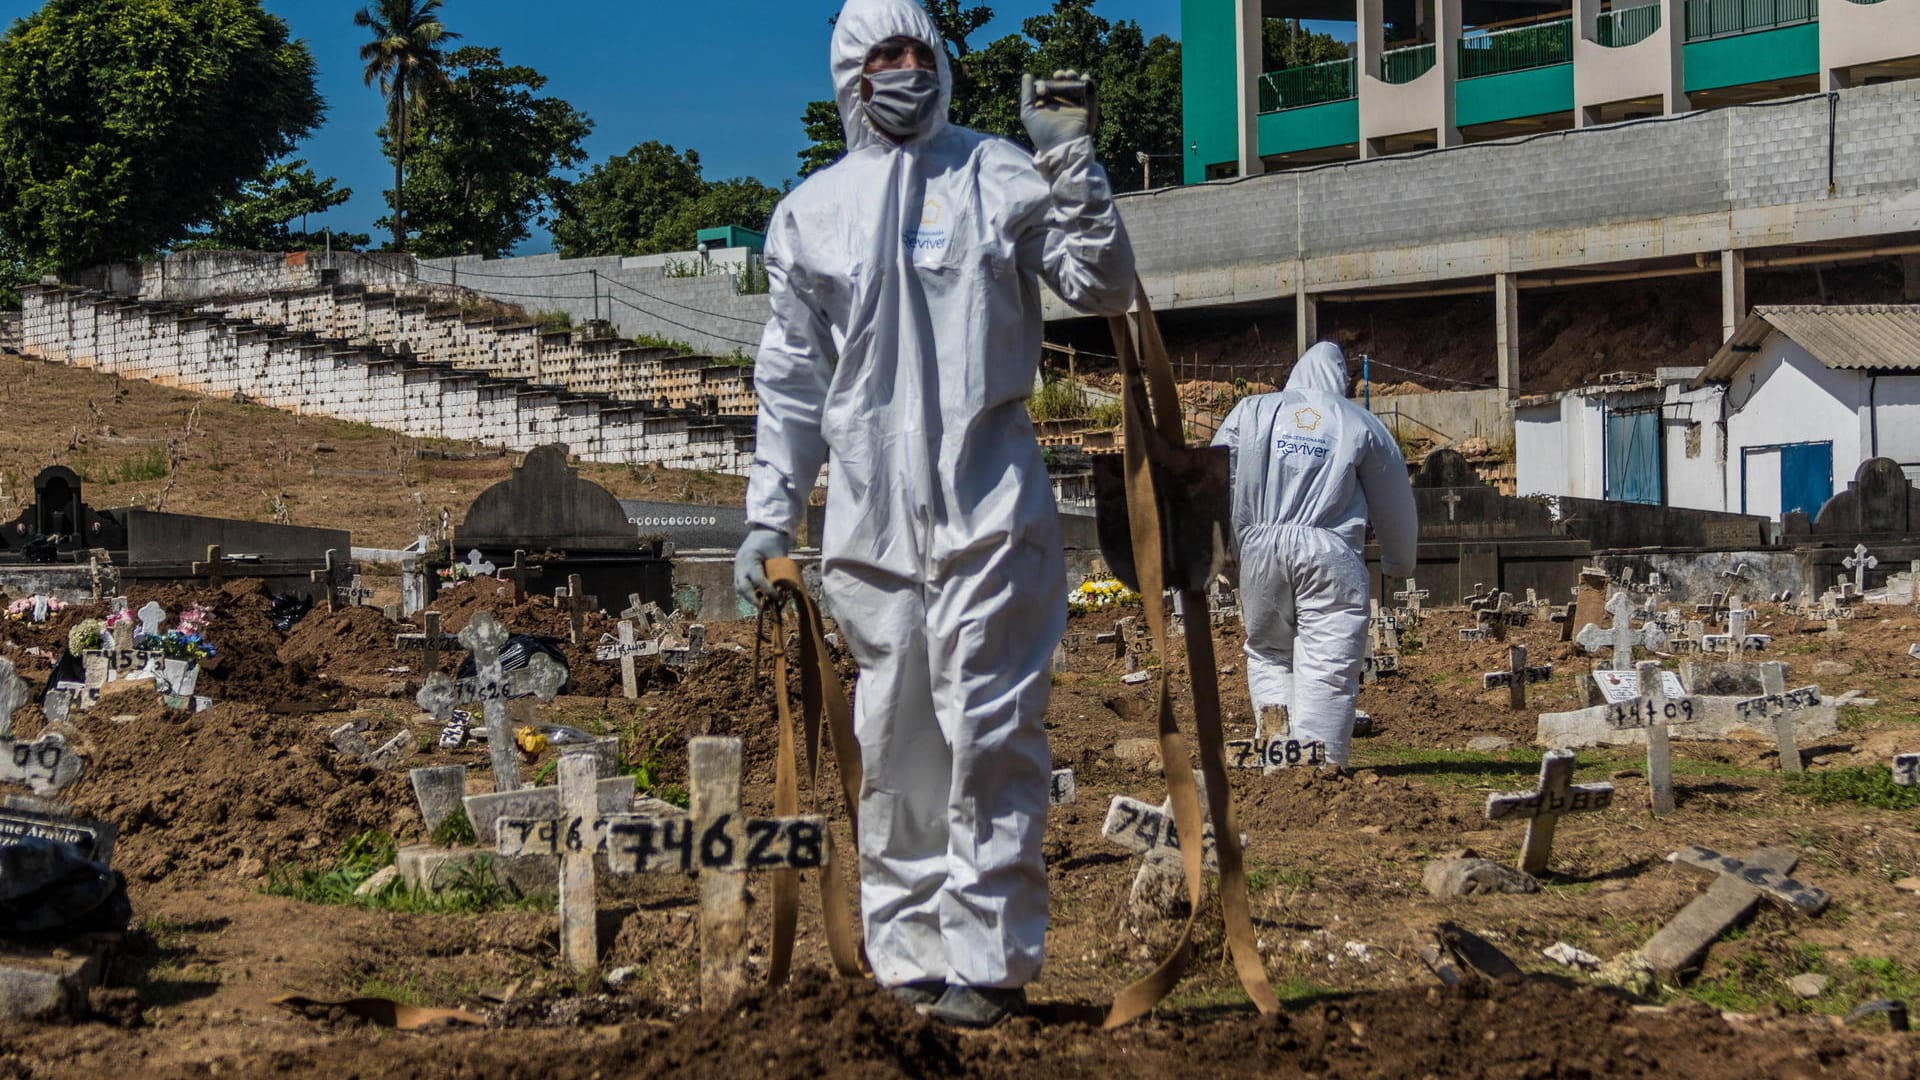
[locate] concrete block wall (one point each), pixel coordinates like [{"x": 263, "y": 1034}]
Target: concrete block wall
[
  {"x": 593, "y": 359},
  {"x": 305, "y": 373}
]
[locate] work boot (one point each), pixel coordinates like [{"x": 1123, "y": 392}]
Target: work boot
[
  {"x": 976, "y": 1006},
  {"x": 917, "y": 995}
]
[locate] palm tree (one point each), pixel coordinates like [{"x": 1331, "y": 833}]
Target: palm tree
[{"x": 405, "y": 58}]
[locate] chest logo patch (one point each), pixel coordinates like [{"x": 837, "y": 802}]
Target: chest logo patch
[{"x": 1307, "y": 419}]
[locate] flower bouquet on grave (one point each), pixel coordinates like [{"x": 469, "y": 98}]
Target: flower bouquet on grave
[
  {"x": 36, "y": 608},
  {"x": 1095, "y": 594},
  {"x": 455, "y": 574},
  {"x": 89, "y": 635}
]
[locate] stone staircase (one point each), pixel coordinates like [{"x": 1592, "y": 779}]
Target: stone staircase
[{"x": 211, "y": 352}]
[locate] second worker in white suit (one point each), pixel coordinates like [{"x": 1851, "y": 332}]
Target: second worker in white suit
[
  {"x": 905, "y": 287},
  {"x": 1310, "y": 470}
]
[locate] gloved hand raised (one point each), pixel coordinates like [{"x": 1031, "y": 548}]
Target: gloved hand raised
[
  {"x": 1057, "y": 111},
  {"x": 750, "y": 565}
]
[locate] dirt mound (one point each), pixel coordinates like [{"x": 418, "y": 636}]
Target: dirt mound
[
  {"x": 228, "y": 792},
  {"x": 352, "y": 641},
  {"x": 1310, "y": 798}
]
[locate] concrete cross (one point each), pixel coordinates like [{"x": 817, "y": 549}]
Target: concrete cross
[
  {"x": 1384, "y": 630},
  {"x": 1516, "y": 677},
  {"x": 1860, "y": 562},
  {"x": 1736, "y": 640},
  {"x": 541, "y": 678},
  {"x": 1622, "y": 637},
  {"x": 430, "y": 642},
  {"x": 714, "y": 840},
  {"x": 1773, "y": 885},
  {"x": 518, "y": 574},
  {"x": 1679, "y": 945},
  {"x": 624, "y": 649},
  {"x": 636, "y": 613},
  {"x": 1159, "y": 884},
  {"x": 1542, "y": 808},
  {"x": 349, "y": 739},
  {"x": 1714, "y": 608},
  {"x": 1410, "y": 598},
  {"x": 1452, "y": 499},
  {"x": 101, "y": 574},
  {"x": 477, "y": 566},
  {"x": 328, "y": 579},
  {"x": 1652, "y": 710},
  {"x": 577, "y": 605},
  {"x": 211, "y": 569},
  {"x": 1783, "y": 707},
  {"x": 151, "y": 615}
]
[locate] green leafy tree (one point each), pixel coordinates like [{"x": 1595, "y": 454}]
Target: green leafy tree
[
  {"x": 651, "y": 199},
  {"x": 826, "y": 138},
  {"x": 261, "y": 216},
  {"x": 485, "y": 150},
  {"x": 1286, "y": 44},
  {"x": 404, "y": 57},
  {"x": 124, "y": 122}
]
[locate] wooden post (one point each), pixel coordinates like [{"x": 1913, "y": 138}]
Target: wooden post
[
  {"x": 714, "y": 768},
  {"x": 519, "y": 573},
  {"x": 328, "y": 580},
  {"x": 1659, "y": 751},
  {"x": 577, "y": 607},
  {"x": 629, "y": 684},
  {"x": 579, "y": 939}
]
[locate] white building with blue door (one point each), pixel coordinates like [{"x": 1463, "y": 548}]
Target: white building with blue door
[{"x": 1784, "y": 412}]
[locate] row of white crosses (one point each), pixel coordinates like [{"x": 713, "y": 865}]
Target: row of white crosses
[{"x": 626, "y": 645}]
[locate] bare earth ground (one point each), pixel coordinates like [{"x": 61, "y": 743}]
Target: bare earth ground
[{"x": 240, "y": 824}]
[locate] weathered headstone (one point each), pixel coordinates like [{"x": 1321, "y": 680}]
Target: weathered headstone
[
  {"x": 1518, "y": 674},
  {"x": 439, "y": 789},
  {"x": 714, "y": 840},
  {"x": 14, "y": 692},
  {"x": 151, "y": 615},
  {"x": 1542, "y": 808},
  {"x": 491, "y": 686},
  {"x": 94, "y": 838}
]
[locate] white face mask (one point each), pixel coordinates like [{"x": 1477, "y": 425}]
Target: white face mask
[{"x": 904, "y": 101}]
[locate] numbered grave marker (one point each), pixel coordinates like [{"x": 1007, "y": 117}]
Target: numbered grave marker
[
  {"x": 1654, "y": 710},
  {"x": 355, "y": 592},
  {"x": 1410, "y": 598},
  {"x": 576, "y": 604},
  {"x": 625, "y": 649},
  {"x": 1783, "y": 707},
  {"x": 1773, "y": 885},
  {"x": 1277, "y": 752},
  {"x": 329, "y": 579},
  {"x": 491, "y": 686},
  {"x": 1517, "y": 676},
  {"x": 47, "y": 764},
  {"x": 715, "y": 840},
  {"x": 1143, "y": 828},
  {"x": 1473, "y": 633},
  {"x": 431, "y": 642},
  {"x": 1906, "y": 769},
  {"x": 1372, "y": 667},
  {"x": 1681, "y": 943},
  {"x": 1383, "y": 631},
  {"x": 1543, "y": 807}
]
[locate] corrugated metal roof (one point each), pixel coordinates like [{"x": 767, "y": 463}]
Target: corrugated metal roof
[{"x": 1865, "y": 337}]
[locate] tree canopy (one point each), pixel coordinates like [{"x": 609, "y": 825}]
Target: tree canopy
[
  {"x": 262, "y": 215},
  {"x": 485, "y": 150},
  {"x": 1137, "y": 81},
  {"x": 651, "y": 199},
  {"x": 124, "y": 122}
]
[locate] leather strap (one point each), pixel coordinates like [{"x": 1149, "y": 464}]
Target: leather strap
[
  {"x": 823, "y": 704},
  {"x": 1153, "y": 425}
]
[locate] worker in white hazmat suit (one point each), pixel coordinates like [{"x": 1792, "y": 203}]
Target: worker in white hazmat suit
[
  {"x": 1310, "y": 470},
  {"x": 905, "y": 287}
]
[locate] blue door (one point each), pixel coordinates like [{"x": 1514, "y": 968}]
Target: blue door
[
  {"x": 1806, "y": 477},
  {"x": 1633, "y": 457}
]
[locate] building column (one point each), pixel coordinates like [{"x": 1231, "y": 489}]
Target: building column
[
  {"x": 1446, "y": 64},
  {"x": 1910, "y": 279},
  {"x": 1506, "y": 332},
  {"x": 1586, "y": 27},
  {"x": 1248, "y": 22},
  {"x": 1673, "y": 20},
  {"x": 1306, "y": 320},
  {"x": 1733, "y": 292},
  {"x": 1369, "y": 41}
]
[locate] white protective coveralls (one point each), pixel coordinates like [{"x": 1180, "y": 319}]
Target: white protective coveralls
[
  {"x": 1309, "y": 470},
  {"x": 905, "y": 336}
]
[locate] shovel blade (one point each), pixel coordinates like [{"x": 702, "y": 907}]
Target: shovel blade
[{"x": 1194, "y": 488}]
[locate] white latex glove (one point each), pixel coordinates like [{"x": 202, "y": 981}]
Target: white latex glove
[
  {"x": 750, "y": 565},
  {"x": 1053, "y": 118}
]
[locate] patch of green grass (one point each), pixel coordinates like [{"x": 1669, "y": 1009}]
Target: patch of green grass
[
  {"x": 647, "y": 768},
  {"x": 1263, "y": 876},
  {"x": 1864, "y": 785},
  {"x": 455, "y": 831},
  {"x": 406, "y": 991},
  {"x": 1106, "y": 414},
  {"x": 652, "y": 342},
  {"x": 149, "y": 464},
  {"x": 473, "y": 887},
  {"x": 1057, "y": 399}
]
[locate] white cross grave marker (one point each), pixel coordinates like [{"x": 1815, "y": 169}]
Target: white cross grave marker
[
  {"x": 1783, "y": 707},
  {"x": 1622, "y": 636},
  {"x": 714, "y": 840},
  {"x": 625, "y": 649},
  {"x": 1410, "y": 598},
  {"x": 1860, "y": 562},
  {"x": 1542, "y": 807},
  {"x": 1652, "y": 710},
  {"x": 1517, "y": 676},
  {"x": 477, "y": 566},
  {"x": 151, "y": 615},
  {"x": 541, "y": 678},
  {"x": 1452, "y": 499}
]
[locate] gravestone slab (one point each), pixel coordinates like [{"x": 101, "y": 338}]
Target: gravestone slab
[
  {"x": 95, "y": 839},
  {"x": 613, "y": 795},
  {"x": 439, "y": 789},
  {"x": 47, "y": 764}
]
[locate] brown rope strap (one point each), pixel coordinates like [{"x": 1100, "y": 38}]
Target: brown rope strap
[
  {"x": 823, "y": 704},
  {"x": 1152, "y": 427}
]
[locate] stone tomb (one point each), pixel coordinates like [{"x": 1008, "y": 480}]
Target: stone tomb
[
  {"x": 1716, "y": 713},
  {"x": 568, "y": 525}
]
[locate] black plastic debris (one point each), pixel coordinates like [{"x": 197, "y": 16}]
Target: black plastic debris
[
  {"x": 48, "y": 886},
  {"x": 517, "y": 653},
  {"x": 287, "y": 610}
]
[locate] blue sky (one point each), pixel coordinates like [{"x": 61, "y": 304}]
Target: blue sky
[{"x": 726, "y": 77}]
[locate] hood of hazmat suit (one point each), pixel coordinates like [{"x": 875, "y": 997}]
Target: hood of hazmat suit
[
  {"x": 1310, "y": 470},
  {"x": 904, "y": 283}
]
